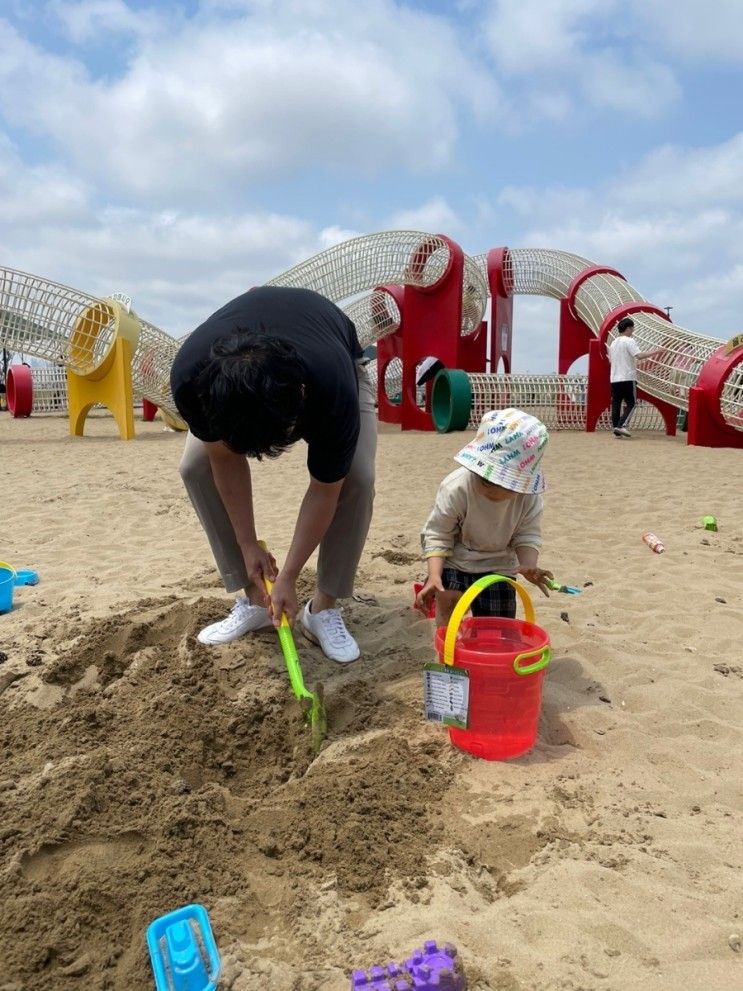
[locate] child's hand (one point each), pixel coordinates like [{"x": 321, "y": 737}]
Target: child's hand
[
  {"x": 431, "y": 587},
  {"x": 538, "y": 577}
]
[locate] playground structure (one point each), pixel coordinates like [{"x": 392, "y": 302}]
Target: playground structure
[
  {"x": 109, "y": 354},
  {"x": 416, "y": 295}
]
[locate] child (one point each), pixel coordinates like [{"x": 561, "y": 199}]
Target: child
[{"x": 487, "y": 517}]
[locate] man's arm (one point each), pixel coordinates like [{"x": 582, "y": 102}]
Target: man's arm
[
  {"x": 315, "y": 516},
  {"x": 232, "y": 478}
]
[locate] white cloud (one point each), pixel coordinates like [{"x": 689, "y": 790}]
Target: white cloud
[
  {"x": 159, "y": 172},
  {"x": 35, "y": 194},
  {"x": 569, "y": 53},
  {"x": 178, "y": 266},
  {"x": 434, "y": 215},
  {"x": 531, "y": 36},
  {"x": 642, "y": 88},
  {"x": 681, "y": 177},
  {"x": 672, "y": 225},
  {"x": 695, "y": 28},
  {"x": 217, "y": 103},
  {"x": 84, "y": 21}
]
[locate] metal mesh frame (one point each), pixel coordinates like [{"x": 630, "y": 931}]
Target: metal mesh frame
[
  {"x": 39, "y": 318},
  {"x": 50, "y": 389},
  {"x": 558, "y": 400},
  {"x": 731, "y": 400},
  {"x": 44, "y": 319},
  {"x": 397, "y": 257},
  {"x": 375, "y": 316},
  {"x": 543, "y": 272},
  {"x": 151, "y": 364}
]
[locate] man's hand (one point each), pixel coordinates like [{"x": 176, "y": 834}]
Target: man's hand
[
  {"x": 537, "y": 576},
  {"x": 259, "y": 563},
  {"x": 431, "y": 587},
  {"x": 284, "y": 599}
]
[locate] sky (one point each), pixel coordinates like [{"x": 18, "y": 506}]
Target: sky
[{"x": 183, "y": 152}]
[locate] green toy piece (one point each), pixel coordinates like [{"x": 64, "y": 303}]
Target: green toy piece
[{"x": 557, "y": 587}]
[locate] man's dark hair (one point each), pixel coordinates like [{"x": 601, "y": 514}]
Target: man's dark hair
[
  {"x": 252, "y": 393},
  {"x": 625, "y": 324}
]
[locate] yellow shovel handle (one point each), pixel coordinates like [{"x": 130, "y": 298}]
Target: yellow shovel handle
[{"x": 464, "y": 603}]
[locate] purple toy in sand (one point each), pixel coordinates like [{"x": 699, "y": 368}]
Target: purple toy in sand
[{"x": 431, "y": 969}]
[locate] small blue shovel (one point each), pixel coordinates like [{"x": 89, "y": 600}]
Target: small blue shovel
[{"x": 183, "y": 952}]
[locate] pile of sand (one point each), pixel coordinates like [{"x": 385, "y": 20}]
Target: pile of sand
[{"x": 142, "y": 771}]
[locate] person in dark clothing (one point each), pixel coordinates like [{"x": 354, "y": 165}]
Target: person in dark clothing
[{"x": 271, "y": 367}]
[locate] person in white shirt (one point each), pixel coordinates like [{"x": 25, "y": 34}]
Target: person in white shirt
[
  {"x": 624, "y": 353},
  {"x": 487, "y": 517}
]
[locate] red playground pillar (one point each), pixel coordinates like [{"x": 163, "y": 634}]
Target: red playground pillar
[
  {"x": 706, "y": 426},
  {"x": 432, "y": 321},
  {"x": 599, "y": 385},
  {"x": 500, "y": 282},
  {"x": 149, "y": 410}
]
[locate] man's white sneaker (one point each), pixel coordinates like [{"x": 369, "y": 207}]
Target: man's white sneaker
[
  {"x": 624, "y": 432},
  {"x": 243, "y": 618},
  {"x": 327, "y": 629}
]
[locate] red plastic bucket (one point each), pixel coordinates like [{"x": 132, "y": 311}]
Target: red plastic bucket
[{"x": 506, "y": 660}]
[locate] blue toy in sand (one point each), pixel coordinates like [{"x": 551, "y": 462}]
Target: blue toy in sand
[
  {"x": 11, "y": 578},
  {"x": 183, "y": 952},
  {"x": 25, "y": 576}
]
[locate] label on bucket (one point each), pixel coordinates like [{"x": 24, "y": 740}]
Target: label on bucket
[{"x": 446, "y": 695}]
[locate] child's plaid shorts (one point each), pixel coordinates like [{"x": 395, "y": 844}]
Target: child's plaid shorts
[{"x": 498, "y": 599}]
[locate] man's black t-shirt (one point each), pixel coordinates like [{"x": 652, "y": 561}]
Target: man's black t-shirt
[{"x": 326, "y": 343}]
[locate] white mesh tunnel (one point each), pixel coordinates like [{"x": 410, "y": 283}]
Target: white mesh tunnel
[
  {"x": 39, "y": 318},
  {"x": 151, "y": 364},
  {"x": 558, "y": 400},
  {"x": 375, "y": 316},
  {"x": 391, "y": 257},
  {"x": 50, "y": 389},
  {"x": 543, "y": 272},
  {"x": 66, "y": 327},
  {"x": 61, "y": 325}
]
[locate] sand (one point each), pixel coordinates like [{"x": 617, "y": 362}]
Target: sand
[{"x": 142, "y": 771}]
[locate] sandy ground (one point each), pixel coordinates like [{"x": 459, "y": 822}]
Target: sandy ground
[{"x": 141, "y": 770}]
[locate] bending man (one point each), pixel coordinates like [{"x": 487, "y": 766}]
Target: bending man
[{"x": 273, "y": 366}]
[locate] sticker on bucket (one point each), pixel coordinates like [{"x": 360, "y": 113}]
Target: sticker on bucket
[{"x": 446, "y": 695}]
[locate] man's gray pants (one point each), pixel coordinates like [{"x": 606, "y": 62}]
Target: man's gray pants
[{"x": 343, "y": 543}]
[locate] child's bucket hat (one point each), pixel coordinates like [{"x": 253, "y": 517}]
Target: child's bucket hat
[{"x": 507, "y": 450}]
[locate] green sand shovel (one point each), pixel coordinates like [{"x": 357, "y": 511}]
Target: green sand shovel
[{"x": 312, "y": 702}]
